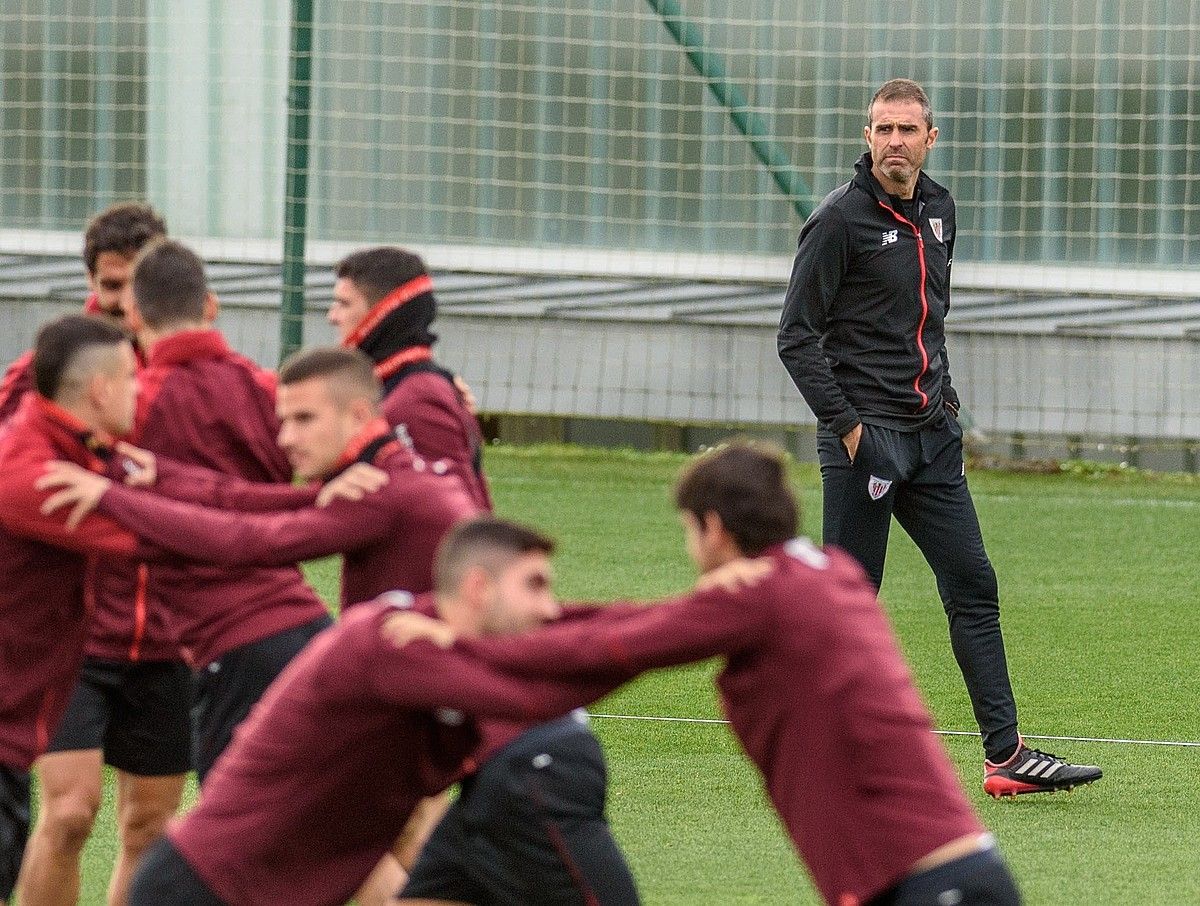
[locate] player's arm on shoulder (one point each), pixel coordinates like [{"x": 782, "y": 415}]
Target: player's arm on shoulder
[
  {"x": 74, "y": 490},
  {"x": 423, "y": 676},
  {"x": 245, "y": 538},
  {"x": 629, "y": 637},
  {"x": 744, "y": 572},
  {"x": 354, "y": 483},
  {"x": 190, "y": 483},
  {"x": 406, "y": 626},
  {"x": 23, "y": 511}
]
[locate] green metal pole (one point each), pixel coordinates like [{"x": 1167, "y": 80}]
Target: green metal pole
[
  {"x": 295, "y": 202},
  {"x": 749, "y": 123}
]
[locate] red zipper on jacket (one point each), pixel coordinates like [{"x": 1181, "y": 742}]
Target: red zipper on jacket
[
  {"x": 924, "y": 305},
  {"x": 42, "y": 729},
  {"x": 139, "y": 613}
]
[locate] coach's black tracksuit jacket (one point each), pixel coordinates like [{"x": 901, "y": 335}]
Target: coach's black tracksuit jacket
[{"x": 862, "y": 327}]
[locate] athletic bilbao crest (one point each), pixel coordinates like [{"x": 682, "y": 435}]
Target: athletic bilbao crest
[
  {"x": 877, "y": 487},
  {"x": 935, "y": 224}
]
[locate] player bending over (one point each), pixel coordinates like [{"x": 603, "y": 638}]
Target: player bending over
[
  {"x": 814, "y": 686},
  {"x": 325, "y": 774}
]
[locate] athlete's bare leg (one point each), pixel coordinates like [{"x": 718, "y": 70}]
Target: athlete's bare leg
[
  {"x": 144, "y": 806},
  {"x": 70, "y": 798}
]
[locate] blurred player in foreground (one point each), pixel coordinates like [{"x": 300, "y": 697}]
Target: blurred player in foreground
[
  {"x": 84, "y": 374},
  {"x": 325, "y": 774},
  {"x": 130, "y": 706},
  {"x": 814, "y": 686}
]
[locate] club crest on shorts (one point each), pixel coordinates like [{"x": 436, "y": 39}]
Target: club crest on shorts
[
  {"x": 877, "y": 487},
  {"x": 935, "y": 224}
]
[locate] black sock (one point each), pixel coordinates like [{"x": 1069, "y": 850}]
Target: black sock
[{"x": 1003, "y": 755}]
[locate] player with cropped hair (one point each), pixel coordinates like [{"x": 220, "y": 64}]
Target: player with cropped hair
[
  {"x": 814, "y": 686},
  {"x": 383, "y": 304},
  {"x": 84, "y": 372},
  {"x": 200, "y": 403},
  {"x": 327, "y": 771}
]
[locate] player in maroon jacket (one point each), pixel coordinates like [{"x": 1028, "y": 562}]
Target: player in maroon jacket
[
  {"x": 202, "y": 404},
  {"x": 326, "y": 772},
  {"x": 129, "y": 708},
  {"x": 111, "y": 241},
  {"x": 84, "y": 373},
  {"x": 383, "y": 304},
  {"x": 815, "y": 689}
]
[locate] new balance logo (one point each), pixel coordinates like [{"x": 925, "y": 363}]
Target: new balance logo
[
  {"x": 1034, "y": 768},
  {"x": 890, "y": 236}
]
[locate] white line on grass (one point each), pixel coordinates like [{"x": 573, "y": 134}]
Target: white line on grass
[
  {"x": 1150, "y": 502},
  {"x": 1179, "y": 744}
]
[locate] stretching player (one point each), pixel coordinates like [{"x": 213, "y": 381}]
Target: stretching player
[
  {"x": 328, "y": 405},
  {"x": 84, "y": 374},
  {"x": 815, "y": 689},
  {"x": 383, "y": 304},
  {"x": 324, "y": 775},
  {"x": 201, "y": 403}
]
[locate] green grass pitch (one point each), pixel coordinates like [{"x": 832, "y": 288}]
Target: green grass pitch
[{"x": 1101, "y": 612}]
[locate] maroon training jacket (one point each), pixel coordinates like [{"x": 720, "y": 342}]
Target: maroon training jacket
[
  {"x": 202, "y": 404},
  {"x": 17, "y": 381},
  {"x": 420, "y": 399},
  {"x": 818, "y": 693},
  {"x": 42, "y": 569},
  {"x": 127, "y": 623},
  {"x": 426, "y": 408},
  {"x": 389, "y": 538},
  {"x": 322, "y": 777}
]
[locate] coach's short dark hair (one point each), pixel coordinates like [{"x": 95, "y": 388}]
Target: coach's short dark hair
[
  {"x": 487, "y": 542},
  {"x": 378, "y": 271},
  {"x": 61, "y": 343},
  {"x": 903, "y": 90},
  {"x": 746, "y": 485},
  {"x": 352, "y": 366},
  {"x": 123, "y": 228},
  {"x": 169, "y": 284}
]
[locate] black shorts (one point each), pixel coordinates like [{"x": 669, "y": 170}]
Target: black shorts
[
  {"x": 981, "y": 879},
  {"x": 164, "y": 878},
  {"x": 229, "y": 687},
  {"x": 138, "y": 714},
  {"x": 529, "y": 828},
  {"x": 14, "y": 826}
]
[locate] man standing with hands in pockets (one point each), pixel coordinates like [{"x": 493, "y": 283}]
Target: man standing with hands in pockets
[{"x": 862, "y": 336}]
